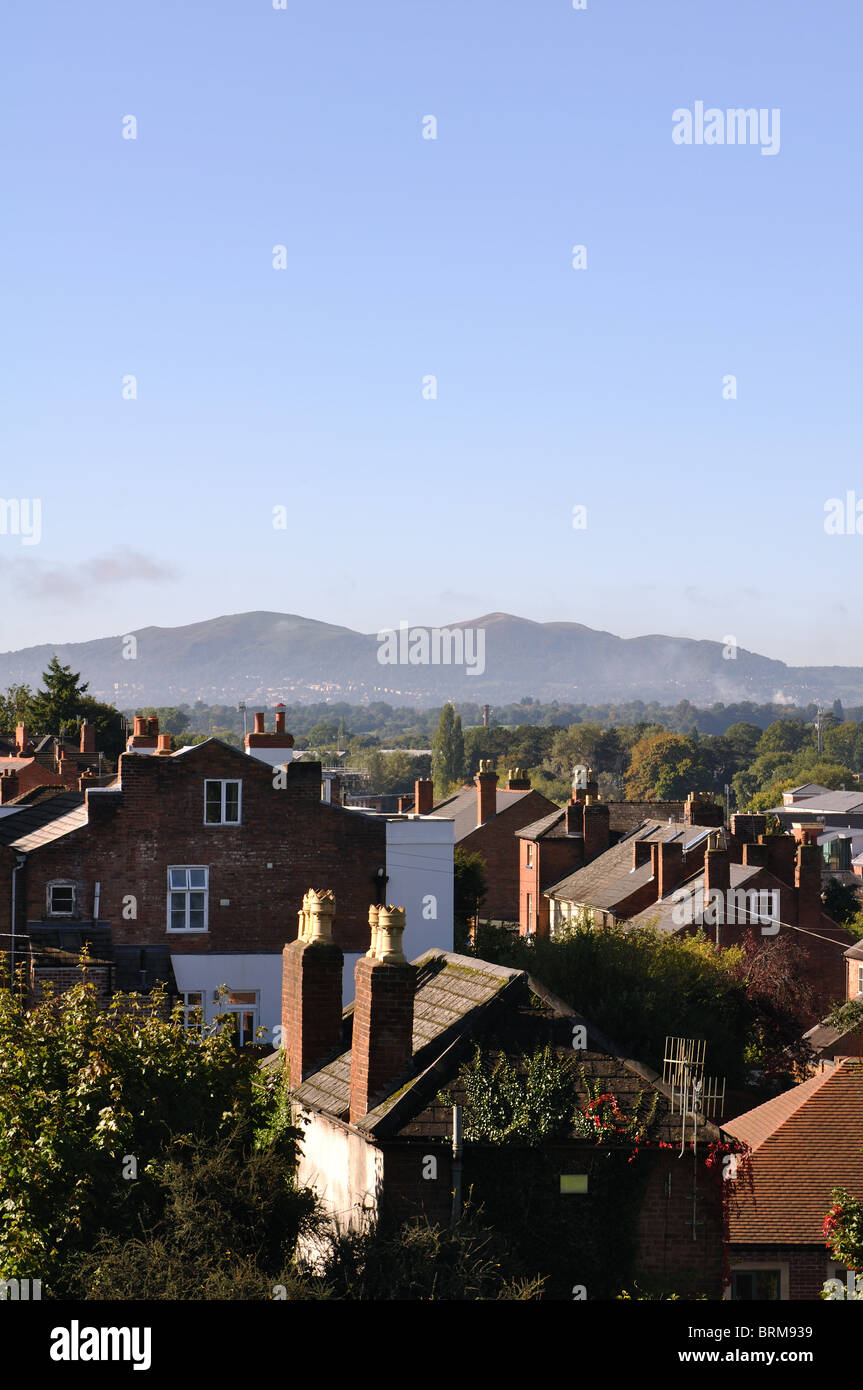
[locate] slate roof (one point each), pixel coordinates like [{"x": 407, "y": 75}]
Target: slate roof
[
  {"x": 457, "y": 997},
  {"x": 462, "y": 808},
  {"x": 450, "y": 989},
  {"x": 661, "y": 913},
  {"x": 610, "y": 877},
  {"x": 539, "y": 829},
  {"x": 805, "y": 1142},
  {"x": 36, "y": 825},
  {"x": 829, "y": 803}
]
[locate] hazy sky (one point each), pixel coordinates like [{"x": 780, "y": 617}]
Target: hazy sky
[{"x": 408, "y": 257}]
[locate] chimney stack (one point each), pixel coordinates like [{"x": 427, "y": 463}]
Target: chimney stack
[
  {"x": 22, "y": 740},
  {"x": 163, "y": 745},
  {"x": 807, "y": 881},
  {"x": 642, "y": 851},
  {"x": 423, "y": 796},
  {"x": 88, "y": 737},
  {"x": 701, "y": 809},
  {"x": 746, "y": 827},
  {"x": 153, "y": 726},
  {"x": 382, "y": 1046},
  {"x": 667, "y": 866},
  {"x": 312, "y": 988},
  {"x": 596, "y": 828},
  {"x": 8, "y": 785},
  {"x": 280, "y": 719},
  {"x": 140, "y": 727},
  {"x": 575, "y": 818},
  {"x": 781, "y": 852},
  {"x": 259, "y": 721},
  {"x": 717, "y": 879},
  {"x": 517, "y": 780},
  {"x": 486, "y": 791}
]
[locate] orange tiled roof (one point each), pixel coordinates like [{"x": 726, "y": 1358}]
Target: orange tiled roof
[{"x": 804, "y": 1142}]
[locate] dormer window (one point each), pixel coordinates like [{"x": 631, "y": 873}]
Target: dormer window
[
  {"x": 222, "y": 802},
  {"x": 61, "y": 899}
]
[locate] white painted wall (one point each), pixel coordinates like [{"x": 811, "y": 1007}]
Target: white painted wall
[
  {"x": 253, "y": 971},
  {"x": 420, "y": 879},
  {"x": 345, "y": 1171}
]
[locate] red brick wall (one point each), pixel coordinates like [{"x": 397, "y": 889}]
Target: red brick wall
[
  {"x": 809, "y": 1266},
  {"x": 666, "y": 1249},
  {"x": 497, "y": 843},
  {"x": 552, "y": 861},
  {"x": 157, "y": 820},
  {"x": 311, "y": 1004},
  {"x": 382, "y": 1044}
]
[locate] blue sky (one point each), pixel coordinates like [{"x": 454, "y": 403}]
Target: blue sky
[{"x": 408, "y": 257}]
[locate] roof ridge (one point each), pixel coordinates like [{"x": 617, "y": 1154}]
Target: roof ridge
[{"x": 766, "y": 1109}]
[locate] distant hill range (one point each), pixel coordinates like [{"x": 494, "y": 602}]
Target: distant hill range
[{"x": 263, "y": 657}]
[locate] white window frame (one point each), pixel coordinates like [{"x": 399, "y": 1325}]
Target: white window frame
[
  {"x": 189, "y": 931},
  {"x": 528, "y": 861},
  {"x": 226, "y": 1007},
  {"x": 51, "y": 911},
  {"x": 224, "y": 783},
  {"x": 189, "y": 1009},
  {"x": 860, "y": 978},
  {"x": 750, "y": 1266}
]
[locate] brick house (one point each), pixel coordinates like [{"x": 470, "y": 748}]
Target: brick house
[
  {"x": 49, "y": 762},
  {"x": 486, "y": 819},
  {"x": 776, "y": 890},
  {"x": 827, "y": 1041},
  {"x": 375, "y": 1088},
  {"x": 804, "y": 1143},
  {"x": 195, "y": 863}
]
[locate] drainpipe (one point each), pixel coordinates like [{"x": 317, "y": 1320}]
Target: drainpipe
[
  {"x": 457, "y": 1150},
  {"x": 97, "y": 893},
  {"x": 21, "y": 860}
]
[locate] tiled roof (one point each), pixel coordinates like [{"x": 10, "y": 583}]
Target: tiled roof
[
  {"x": 462, "y": 807},
  {"x": 449, "y": 991},
  {"x": 35, "y": 825},
  {"x": 610, "y": 877},
  {"x": 805, "y": 1142}
]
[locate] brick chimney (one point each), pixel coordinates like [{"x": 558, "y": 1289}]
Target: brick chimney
[
  {"x": 88, "y": 737},
  {"x": 807, "y": 880},
  {"x": 755, "y": 856},
  {"x": 701, "y": 809},
  {"x": 642, "y": 851},
  {"x": 781, "y": 852},
  {"x": 382, "y": 1046},
  {"x": 807, "y": 832},
  {"x": 163, "y": 745},
  {"x": 596, "y": 828},
  {"x": 517, "y": 780},
  {"x": 667, "y": 866},
  {"x": 143, "y": 738},
  {"x": 423, "y": 796},
  {"x": 270, "y": 748},
  {"x": 486, "y": 791},
  {"x": 746, "y": 827},
  {"x": 312, "y": 988},
  {"x": 575, "y": 818},
  {"x": 717, "y": 877},
  {"x": 22, "y": 740},
  {"x": 8, "y": 785}
]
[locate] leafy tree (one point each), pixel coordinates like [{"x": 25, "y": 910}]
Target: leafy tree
[
  {"x": 448, "y": 750},
  {"x": 666, "y": 767},
  {"x": 81, "y": 1090},
  {"x": 843, "y": 1229},
  {"x": 786, "y": 736},
  {"x": 15, "y": 707},
  {"x": 470, "y": 890},
  {"x": 840, "y": 901}
]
